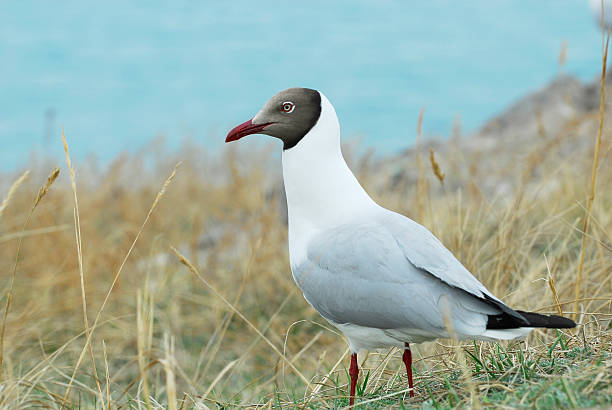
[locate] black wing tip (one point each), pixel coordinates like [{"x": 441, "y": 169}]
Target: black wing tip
[
  {"x": 505, "y": 321},
  {"x": 509, "y": 317},
  {"x": 548, "y": 321}
]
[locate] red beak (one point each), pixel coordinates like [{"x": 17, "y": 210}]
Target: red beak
[{"x": 245, "y": 129}]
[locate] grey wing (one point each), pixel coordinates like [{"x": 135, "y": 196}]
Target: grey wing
[
  {"x": 426, "y": 252},
  {"x": 358, "y": 274}
]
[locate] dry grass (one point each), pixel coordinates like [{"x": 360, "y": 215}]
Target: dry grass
[
  {"x": 194, "y": 304},
  {"x": 239, "y": 333},
  {"x": 602, "y": 106}
]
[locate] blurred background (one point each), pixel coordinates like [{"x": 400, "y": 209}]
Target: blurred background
[
  {"x": 516, "y": 158},
  {"x": 116, "y": 75}
]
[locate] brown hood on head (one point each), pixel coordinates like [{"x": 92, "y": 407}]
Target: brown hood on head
[{"x": 288, "y": 116}]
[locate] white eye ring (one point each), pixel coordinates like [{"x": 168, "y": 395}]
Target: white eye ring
[{"x": 287, "y": 107}]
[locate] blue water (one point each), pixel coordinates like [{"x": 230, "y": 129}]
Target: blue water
[{"x": 116, "y": 75}]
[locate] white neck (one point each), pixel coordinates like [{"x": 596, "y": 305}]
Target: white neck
[{"x": 322, "y": 192}]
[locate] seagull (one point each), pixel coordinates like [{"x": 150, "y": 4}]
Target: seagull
[
  {"x": 378, "y": 276},
  {"x": 602, "y": 11}
]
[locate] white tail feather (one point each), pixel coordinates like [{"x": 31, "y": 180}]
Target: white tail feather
[{"x": 505, "y": 334}]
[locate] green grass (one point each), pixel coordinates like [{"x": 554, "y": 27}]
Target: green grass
[{"x": 560, "y": 378}]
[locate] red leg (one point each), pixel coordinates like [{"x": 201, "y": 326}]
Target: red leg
[
  {"x": 407, "y": 358},
  {"x": 354, "y": 373}
]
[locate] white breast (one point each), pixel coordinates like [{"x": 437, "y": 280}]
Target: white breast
[{"x": 322, "y": 192}]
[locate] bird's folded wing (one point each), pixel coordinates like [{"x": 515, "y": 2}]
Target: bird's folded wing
[
  {"x": 425, "y": 251},
  {"x": 360, "y": 274}
]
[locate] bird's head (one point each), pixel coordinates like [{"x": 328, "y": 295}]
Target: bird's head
[{"x": 289, "y": 116}]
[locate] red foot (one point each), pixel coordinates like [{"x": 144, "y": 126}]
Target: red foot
[
  {"x": 354, "y": 373},
  {"x": 407, "y": 359}
]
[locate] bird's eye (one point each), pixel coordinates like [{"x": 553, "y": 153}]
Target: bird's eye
[{"x": 287, "y": 107}]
